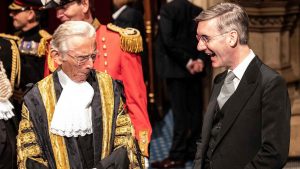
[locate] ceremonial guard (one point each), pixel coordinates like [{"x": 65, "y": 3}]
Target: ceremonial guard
[
  {"x": 118, "y": 55},
  {"x": 32, "y": 41}
]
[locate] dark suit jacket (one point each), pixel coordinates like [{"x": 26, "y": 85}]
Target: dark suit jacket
[
  {"x": 176, "y": 42},
  {"x": 256, "y": 125},
  {"x": 131, "y": 17}
]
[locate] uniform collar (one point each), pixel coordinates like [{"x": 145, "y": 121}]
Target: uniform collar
[
  {"x": 30, "y": 32},
  {"x": 96, "y": 24}
]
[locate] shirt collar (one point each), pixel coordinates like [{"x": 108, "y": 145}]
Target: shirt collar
[
  {"x": 119, "y": 11},
  {"x": 241, "y": 68},
  {"x": 63, "y": 78}
]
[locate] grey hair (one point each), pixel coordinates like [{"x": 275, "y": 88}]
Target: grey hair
[
  {"x": 230, "y": 17},
  {"x": 68, "y": 30}
]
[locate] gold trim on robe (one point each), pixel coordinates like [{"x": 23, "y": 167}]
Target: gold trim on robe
[
  {"x": 123, "y": 136},
  {"x": 47, "y": 91}
]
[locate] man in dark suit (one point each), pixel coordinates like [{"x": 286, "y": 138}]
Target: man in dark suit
[
  {"x": 127, "y": 16},
  {"x": 181, "y": 65},
  {"x": 251, "y": 130}
]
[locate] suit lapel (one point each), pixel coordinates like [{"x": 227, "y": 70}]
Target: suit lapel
[{"x": 239, "y": 98}]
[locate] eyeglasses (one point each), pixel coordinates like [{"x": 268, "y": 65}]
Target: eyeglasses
[
  {"x": 84, "y": 58},
  {"x": 206, "y": 39}
]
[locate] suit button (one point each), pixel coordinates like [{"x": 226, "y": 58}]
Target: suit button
[{"x": 103, "y": 39}]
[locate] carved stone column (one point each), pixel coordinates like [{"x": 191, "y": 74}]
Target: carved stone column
[{"x": 275, "y": 38}]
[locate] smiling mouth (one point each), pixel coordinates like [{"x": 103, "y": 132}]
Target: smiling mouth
[{"x": 211, "y": 54}]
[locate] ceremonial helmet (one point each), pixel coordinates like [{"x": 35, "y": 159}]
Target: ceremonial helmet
[
  {"x": 21, "y": 5},
  {"x": 47, "y": 4}
]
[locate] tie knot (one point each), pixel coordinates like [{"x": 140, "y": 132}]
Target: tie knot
[{"x": 229, "y": 77}]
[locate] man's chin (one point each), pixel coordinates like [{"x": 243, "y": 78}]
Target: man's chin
[
  {"x": 62, "y": 20},
  {"x": 16, "y": 26},
  {"x": 215, "y": 64},
  {"x": 82, "y": 78}
]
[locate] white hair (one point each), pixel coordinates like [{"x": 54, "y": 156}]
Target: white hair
[{"x": 68, "y": 31}]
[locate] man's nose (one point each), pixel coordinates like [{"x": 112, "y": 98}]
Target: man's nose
[
  {"x": 12, "y": 14},
  {"x": 90, "y": 63},
  {"x": 201, "y": 46}
]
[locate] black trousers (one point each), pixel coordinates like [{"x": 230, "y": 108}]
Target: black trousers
[
  {"x": 8, "y": 155},
  {"x": 186, "y": 103}
]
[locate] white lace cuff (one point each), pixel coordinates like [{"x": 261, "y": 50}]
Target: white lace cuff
[{"x": 6, "y": 110}]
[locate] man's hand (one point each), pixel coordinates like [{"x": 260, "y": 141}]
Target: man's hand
[{"x": 195, "y": 66}]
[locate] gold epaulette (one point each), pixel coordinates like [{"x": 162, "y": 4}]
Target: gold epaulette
[
  {"x": 12, "y": 37},
  {"x": 45, "y": 34},
  {"x": 43, "y": 45},
  {"x": 131, "y": 39}
]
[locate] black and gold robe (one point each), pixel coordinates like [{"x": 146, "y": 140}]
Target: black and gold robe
[{"x": 112, "y": 128}]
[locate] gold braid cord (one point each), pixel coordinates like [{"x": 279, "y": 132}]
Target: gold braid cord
[
  {"x": 15, "y": 65},
  {"x": 5, "y": 86},
  {"x": 124, "y": 137},
  {"x": 131, "y": 39},
  {"x": 27, "y": 146},
  {"x": 7, "y": 36},
  {"x": 16, "y": 61}
]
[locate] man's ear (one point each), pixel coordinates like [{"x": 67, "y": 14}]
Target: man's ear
[
  {"x": 233, "y": 38},
  {"x": 85, "y": 5},
  {"x": 31, "y": 15},
  {"x": 57, "y": 57}
]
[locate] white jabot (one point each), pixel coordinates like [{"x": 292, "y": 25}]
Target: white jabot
[
  {"x": 6, "y": 110},
  {"x": 73, "y": 113}
]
